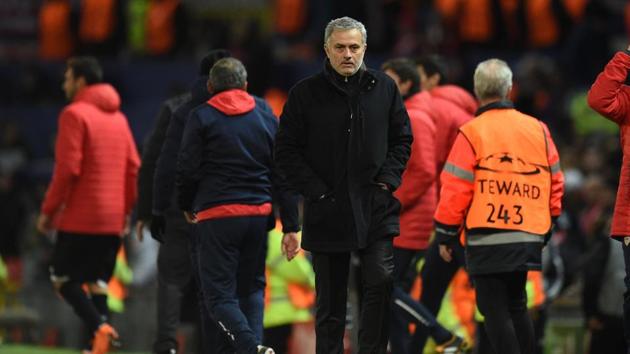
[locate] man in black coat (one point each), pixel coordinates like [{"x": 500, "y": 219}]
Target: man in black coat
[{"x": 343, "y": 143}]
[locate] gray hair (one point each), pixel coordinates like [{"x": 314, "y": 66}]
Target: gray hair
[
  {"x": 493, "y": 79},
  {"x": 344, "y": 24},
  {"x": 227, "y": 74}
]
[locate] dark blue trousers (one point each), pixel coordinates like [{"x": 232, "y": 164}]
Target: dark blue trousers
[{"x": 231, "y": 269}]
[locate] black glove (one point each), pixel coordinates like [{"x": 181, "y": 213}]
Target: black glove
[
  {"x": 554, "y": 222},
  {"x": 158, "y": 225}
]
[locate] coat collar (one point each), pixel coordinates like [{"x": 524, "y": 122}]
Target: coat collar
[{"x": 505, "y": 104}]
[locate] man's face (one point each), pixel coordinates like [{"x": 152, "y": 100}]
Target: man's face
[
  {"x": 403, "y": 87},
  {"x": 427, "y": 82},
  {"x": 345, "y": 50},
  {"x": 70, "y": 84}
]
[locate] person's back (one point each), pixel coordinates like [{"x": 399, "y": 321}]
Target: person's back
[
  {"x": 224, "y": 180},
  {"x": 97, "y": 202},
  {"x": 91, "y": 194},
  {"x": 457, "y": 95},
  {"x": 502, "y": 183}
]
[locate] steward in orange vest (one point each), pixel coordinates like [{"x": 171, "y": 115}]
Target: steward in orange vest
[
  {"x": 56, "y": 40},
  {"x": 502, "y": 183}
]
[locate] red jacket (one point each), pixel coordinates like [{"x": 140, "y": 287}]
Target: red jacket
[
  {"x": 457, "y": 95},
  {"x": 418, "y": 191},
  {"x": 611, "y": 98},
  {"x": 447, "y": 118},
  {"x": 93, "y": 187}
]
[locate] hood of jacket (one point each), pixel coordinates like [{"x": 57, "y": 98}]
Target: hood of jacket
[
  {"x": 103, "y": 96},
  {"x": 233, "y": 102}
]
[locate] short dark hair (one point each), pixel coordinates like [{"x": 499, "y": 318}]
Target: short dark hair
[
  {"x": 406, "y": 71},
  {"x": 211, "y": 58},
  {"x": 433, "y": 64},
  {"x": 227, "y": 74},
  {"x": 87, "y": 68}
]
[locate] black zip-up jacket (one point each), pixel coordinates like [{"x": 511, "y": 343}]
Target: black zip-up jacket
[
  {"x": 164, "y": 179},
  {"x": 151, "y": 152},
  {"x": 337, "y": 140}
]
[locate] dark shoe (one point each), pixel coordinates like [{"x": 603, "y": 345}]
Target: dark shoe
[{"x": 455, "y": 345}]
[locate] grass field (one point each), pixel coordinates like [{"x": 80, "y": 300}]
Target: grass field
[{"x": 25, "y": 349}]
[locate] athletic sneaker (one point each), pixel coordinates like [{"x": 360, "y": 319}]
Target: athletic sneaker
[
  {"x": 265, "y": 350},
  {"x": 455, "y": 345},
  {"x": 103, "y": 338}
]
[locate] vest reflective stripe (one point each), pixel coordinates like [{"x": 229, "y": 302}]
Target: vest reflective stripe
[
  {"x": 502, "y": 238},
  {"x": 97, "y": 20},
  {"x": 459, "y": 172},
  {"x": 512, "y": 180}
]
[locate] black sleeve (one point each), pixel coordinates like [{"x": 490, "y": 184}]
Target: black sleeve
[
  {"x": 164, "y": 179},
  {"x": 593, "y": 275},
  {"x": 399, "y": 144},
  {"x": 286, "y": 199},
  {"x": 189, "y": 163},
  {"x": 289, "y": 152},
  {"x": 150, "y": 154}
]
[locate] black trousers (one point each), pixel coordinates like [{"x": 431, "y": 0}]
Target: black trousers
[
  {"x": 436, "y": 276},
  {"x": 331, "y": 283},
  {"x": 502, "y": 300}
]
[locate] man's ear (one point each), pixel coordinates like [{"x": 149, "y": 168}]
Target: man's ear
[
  {"x": 245, "y": 86},
  {"x": 209, "y": 87},
  {"x": 80, "y": 82},
  {"x": 435, "y": 79},
  {"x": 405, "y": 87}
]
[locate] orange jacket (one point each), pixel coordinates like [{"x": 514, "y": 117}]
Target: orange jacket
[
  {"x": 97, "y": 20},
  {"x": 461, "y": 185},
  {"x": 55, "y": 36},
  {"x": 160, "y": 26}
]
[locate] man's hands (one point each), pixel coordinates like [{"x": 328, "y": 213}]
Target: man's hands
[
  {"x": 290, "y": 245},
  {"x": 446, "y": 252},
  {"x": 44, "y": 224},
  {"x": 140, "y": 225}
]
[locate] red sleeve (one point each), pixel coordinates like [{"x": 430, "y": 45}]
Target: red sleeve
[
  {"x": 457, "y": 180},
  {"x": 557, "y": 177},
  {"x": 609, "y": 95},
  {"x": 133, "y": 165},
  {"x": 68, "y": 161},
  {"x": 421, "y": 169}
]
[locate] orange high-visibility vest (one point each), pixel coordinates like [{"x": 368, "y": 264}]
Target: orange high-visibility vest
[
  {"x": 55, "y": 36},
  {"x": 98, "y": 18},
  {"x": 512, "y": 176},
  {"x": 289, "y": 16},
  {"x": 543, "y": 25},
  {"x": 160, "y": 26},
  {"x": 536, "y": 281}
]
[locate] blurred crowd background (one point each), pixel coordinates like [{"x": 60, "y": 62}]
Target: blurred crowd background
[{"x": 150, "y": 50}]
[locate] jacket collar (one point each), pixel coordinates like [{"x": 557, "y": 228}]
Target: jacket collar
[
  {"x": 363, "y": 78},
  {"x": 505, "y": 104}
]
